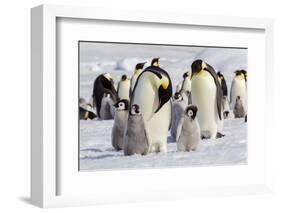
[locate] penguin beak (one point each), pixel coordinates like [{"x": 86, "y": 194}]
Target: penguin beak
[{"x": 164, "y": 93}]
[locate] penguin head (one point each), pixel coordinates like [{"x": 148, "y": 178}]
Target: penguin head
[
  {"x": 191, "y": 111},
  {"x": 107, "y": 76},
  {"x": 106, "y": 95},
  {"x": 163, "y": 83},
  {"x": 122, "y": 104},
  {"x": 135, "y": 110},
  {"x": 140, "y": 66},
  {"x": 178, "y": 96},
  {"x": 244, "y": 72},
  {"x": 155, "y": 62},
  {"x": 124, "y": 78},
  {"x": 241, "y": 74},
  {"x": 185, "y": 75},
  {"x": 107, "y": 81},
  {"x": 197, "y": 66},
  {"x": 220, "y": 75}
]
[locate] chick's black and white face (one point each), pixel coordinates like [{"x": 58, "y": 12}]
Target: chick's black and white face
[
  {"x": 178, "y": 96},
  {"x": 122, "y": 105},
  {"x": 135, "y": 110},
  {"x": 191, "y": 111}
]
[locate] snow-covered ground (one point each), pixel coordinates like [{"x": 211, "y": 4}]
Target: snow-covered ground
[
  {"x": 99, "y": 154},
  {"x": 96, "y": 151}
]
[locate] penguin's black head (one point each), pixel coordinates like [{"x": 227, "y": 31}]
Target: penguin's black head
[
  {"x": 191, "y": 111},
  {"x": 178, "y": 96},
  {"x": 185, "y": 75},
  {"x": 107, "y": 81},
  {"x": 155, "y": 62},
  {"x": 140, "y": 65},
  {"x": 220, "y": 75},
  {"x": 124, "y": 78},
  {"x": 122, "y": 104},
  {"x": 238, "y": 72},
  {"x": 244, "y": 72},
  {"x": 196, "y": 67},
  {"x": 135, "y": 110}
]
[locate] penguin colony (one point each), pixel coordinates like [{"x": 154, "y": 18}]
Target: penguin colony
[{"x": 145, "y": 109}]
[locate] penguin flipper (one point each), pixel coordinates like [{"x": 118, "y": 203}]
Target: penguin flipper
[
  {"x": 179, "y": 128},
  {"x": 213, "y": 73}
]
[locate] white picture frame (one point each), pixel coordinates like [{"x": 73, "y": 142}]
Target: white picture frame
[{"x": 44, "y": 154}]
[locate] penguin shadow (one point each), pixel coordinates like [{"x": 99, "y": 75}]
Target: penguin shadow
[
  {"x": 91, "y": 150},
  {"x": 98, "y": 157}
]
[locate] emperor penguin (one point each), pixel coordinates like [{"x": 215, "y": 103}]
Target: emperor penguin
[
  {"x": 188, "y": 133},
  {"x": 207, "y": 96},
  {"x": 186, "y": 83},
  {"x": 85, "y": 110},
  {"x": 120, "y": 123},
  {"x": 238, "y": 110},
  {"x": 103, "y": 85},
  {"x": 152, "y": 94},
  {"x": 123, "y": 88},
  {"x": 178, "y": 106},
  {"x": 136, "y": 137},
  {"x": 107, "y": 107},
  {"x": 137, "y": 72},
  {"x": 239, "y": 88},
  {"x": 226, "y": 106},
  {"x": 223, "y": 84}
]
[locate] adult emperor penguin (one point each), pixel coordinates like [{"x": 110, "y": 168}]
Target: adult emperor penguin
[
  {"x": 152, "y": 94},
  {"x": 239, "y": 88},
  {"x": 186, "y": 83},
  {"x": 123, "y": 88},
  {"x": 120, "y": 124},
  {"x": 188, "y": 133},
  {"x": 223, "y": 84},
  {"x": 137, "y": 72},
  {"x": 136, "y": 137},
  {"x": 103, "y": 85},
  {"x": 226, "y": 107},
  {"x": 207, "y": 96}
]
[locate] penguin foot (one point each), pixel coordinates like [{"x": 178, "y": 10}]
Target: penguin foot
[
  {"x": 204, "y": 137},
  {"x": 220, "y": 135}
]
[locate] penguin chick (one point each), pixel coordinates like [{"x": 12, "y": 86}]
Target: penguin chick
[
  {"x": 188, "y": 134},
  {"x": 107, "y": 109},
  {"x": 136, "y": 140},
  {"x": 178, "y": 106},
  {"x": 238, "y": 110},
  {"x": 120, "y": 124}
]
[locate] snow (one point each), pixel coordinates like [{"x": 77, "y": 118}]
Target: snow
[
  {"x": 96, "y": 151},
  {"x": 99, "y": 154}
]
